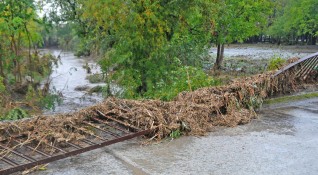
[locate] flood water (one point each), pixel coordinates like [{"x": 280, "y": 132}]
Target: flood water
[
  {"x": 264, "y": 51},
  {"x": 68, "y": 75}
]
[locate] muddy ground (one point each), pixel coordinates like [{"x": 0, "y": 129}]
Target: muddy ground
[{"x": 283, "y": 140}]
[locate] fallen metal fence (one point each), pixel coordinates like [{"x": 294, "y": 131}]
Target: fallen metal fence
[
  {"x": 302, "y": 68},
  {"x": 17, "y": 154}
]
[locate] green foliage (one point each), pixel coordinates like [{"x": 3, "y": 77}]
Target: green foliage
[
  {"x": 2, "y": 87},
  {"x": 31, "y": 95},
  {"x": 20, "y": 32},
  {"x": 83, "y": 48},
  {"x": 144, "y": 42},
  {"x": 238, "y": 20},
  {"x": 295, "y": 18},
  {"x": 183, "y": 79},
  {"x": 175, "y": 134},
  {"x": 15, "y": 114},
  {"x": 50, "y": 101},
  {"x": 276, "y": 63}
]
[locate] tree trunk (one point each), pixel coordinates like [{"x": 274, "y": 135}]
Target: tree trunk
[
  {"x": 314, "y": 40},
  {"x": 1, "y": 64},
  {"x": 143, "y": 87},
  {"x": 1, "y": 68},
  {"x": 310, "y": 40},
  {"x": 302, "y": 39},
  {"x": 219, "y": 57}
]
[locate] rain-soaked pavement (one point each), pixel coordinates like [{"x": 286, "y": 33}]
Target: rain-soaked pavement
[{"x": 283, "y": 140}]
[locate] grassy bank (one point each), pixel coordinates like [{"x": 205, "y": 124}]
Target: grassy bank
[{"x": 291, "y": 98}]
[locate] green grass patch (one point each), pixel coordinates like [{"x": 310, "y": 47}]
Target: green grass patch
[
  {"x": 290, "y": 98},
  {"x": 175, "y": 134},
  {"x": 276, "y": 63},
  {"x": 15, "y": 114}
]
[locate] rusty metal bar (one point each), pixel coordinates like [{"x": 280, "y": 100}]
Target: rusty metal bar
[
  {"x": 73, "y": 145},
  {"x": 9, "y": 161},
  {"x": 88, "y": 133},
  {"x": 307, "y": 66},
  {"x": 33, "y": 149},
  {"x": 56, "y": 148},
  {"x": 88, "y": 142},
  {"x": 71, "y": 153},
  {"x": 116, "y": 129},
  {"x": 118, "y": 121},
  {"x": 18, "y": 153},
  {"x": 106, "y": 123},
  {"x": 100, "y": 129},
  {"x": 301, "y": 61}
]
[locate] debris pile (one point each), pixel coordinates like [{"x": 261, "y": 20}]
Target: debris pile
[{"x": 194, "y": 113}]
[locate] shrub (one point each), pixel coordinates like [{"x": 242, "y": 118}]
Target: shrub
[
  {"x": 184, "y": 79},
  {"x": 15, "y": 114},
  {"x": 276, "y": 63}
]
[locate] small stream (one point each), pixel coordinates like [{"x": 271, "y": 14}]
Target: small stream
[{"x": 68, "y": 75}]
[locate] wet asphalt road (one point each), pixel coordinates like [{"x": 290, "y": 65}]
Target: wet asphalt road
[{"x": 283, "y": 140}]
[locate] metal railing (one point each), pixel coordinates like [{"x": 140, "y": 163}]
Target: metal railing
[{"x": 301, "y": 68}]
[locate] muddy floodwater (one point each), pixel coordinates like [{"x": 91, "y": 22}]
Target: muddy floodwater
[
  {"x": 264, "y": 51},
  {"x": 68, "y": 75}
]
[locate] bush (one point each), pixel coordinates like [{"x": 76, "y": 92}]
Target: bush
[
  {"x": 276, "y": 63},
  {"x": 184, "y": 79},
  {"x": 15, "y": 114}
]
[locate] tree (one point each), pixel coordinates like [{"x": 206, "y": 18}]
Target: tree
[
  {"x": 145, "y": 41},
  {"x": 298, "y": 18},
  {"x": 19, "y": 28},
  {"x": 236, "y": 21}
]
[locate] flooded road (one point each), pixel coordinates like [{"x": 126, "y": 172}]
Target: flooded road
[
  {"x": 283, "y": 140},
  {"x": 68, "y": 75}
]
